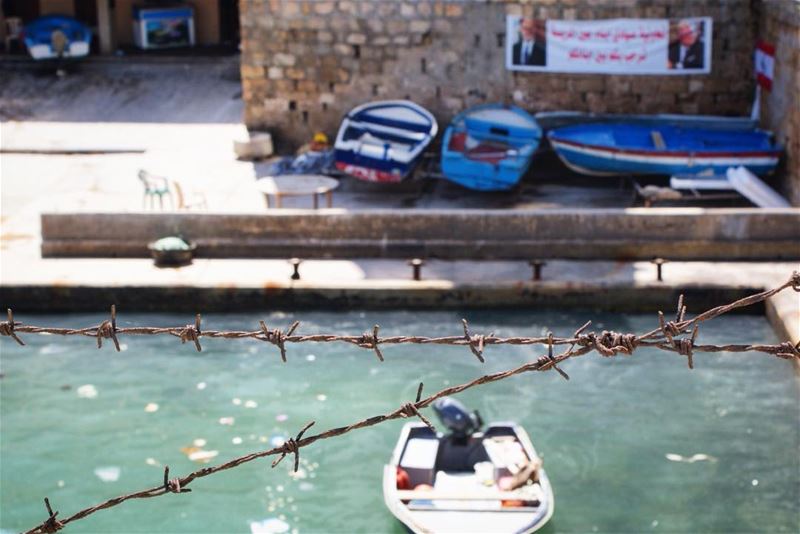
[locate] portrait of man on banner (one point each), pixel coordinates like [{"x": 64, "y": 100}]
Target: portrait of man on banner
[
  {"x": 687, "y": 48},
  {"x": 530, "y": 47}
]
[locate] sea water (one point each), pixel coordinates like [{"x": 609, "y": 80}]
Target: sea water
[{"x": 631, "y": 444}]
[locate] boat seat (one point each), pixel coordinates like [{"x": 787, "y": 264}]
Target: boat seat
[{"x": 419, "y": 459}]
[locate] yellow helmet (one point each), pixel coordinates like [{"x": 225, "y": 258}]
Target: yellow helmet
[{"x": 320, "y": 137}]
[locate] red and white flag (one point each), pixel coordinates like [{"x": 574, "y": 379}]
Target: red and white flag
[{"x": 765, "y": 64}]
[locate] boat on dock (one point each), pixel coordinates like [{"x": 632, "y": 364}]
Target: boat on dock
[
  {"x": 57, "y": 37},
  {"x": 605, "y": 149},
  {"x": 383, "y": 141},
  {"x": 468, "y": 480},
  {"x": 550, "y": 120},
  {"x": 489, "y": 147}
]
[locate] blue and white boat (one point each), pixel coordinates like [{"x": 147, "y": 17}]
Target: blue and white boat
[
  {"x": 605, "y": 149},
  {"x": 489, "y": 147},
  {"x": 57, "y": 36},
  {"x": 383, "y": 141}
]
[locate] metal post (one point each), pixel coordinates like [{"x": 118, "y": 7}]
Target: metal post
[
  {"x": 658, "y": 262},
  {"x": 537, "y": 269},
  {"x": 295, "y": 262},
  {"x": 416, "y": 266}
]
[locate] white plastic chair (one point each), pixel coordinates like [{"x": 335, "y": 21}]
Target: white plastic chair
[{"x": 13, "y": 31}]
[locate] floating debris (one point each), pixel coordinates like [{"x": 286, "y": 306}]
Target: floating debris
[
  {"x": 305, "y": 486},
  {"x": 197, "y": 454},
  {"x": 311, "y": 358},
  {"x": 152, "y": 461},
  {"x": 272, "y": 525},
  {"x": 250, "y": 404},
  {"x": 277, "y": 441},
  {"x": 321, "y": 397},
  {"x": 754, "y": 482},
  {"x": 60, "y": 483},
  {"x": 226, "y": 421},
  {"x": 237, "y": 440},
  {"x": 108, "y": 474},
  {"x": 199, "y": 442},
  {"x": 672, "y": 457},
  {"x": 151, "y": 407},
  {"x": 237, "y": 401},
  {"x": 87, "y": 391},
  {"x": 201, "y": 385},
  {"x": 281, "y": 417}
]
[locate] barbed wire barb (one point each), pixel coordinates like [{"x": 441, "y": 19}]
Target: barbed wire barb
[
  {"x": 52, "y": 524},
  {"x": 476, "y": 343},
  {"x": 290, "y": 446},
  {"x": 7, "y": 328},
  {"x": 192, "y": 333},
  {"x": 371, "y": 341}
]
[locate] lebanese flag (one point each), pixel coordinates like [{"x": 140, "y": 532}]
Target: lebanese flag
[{"x": 765, "y": 64}]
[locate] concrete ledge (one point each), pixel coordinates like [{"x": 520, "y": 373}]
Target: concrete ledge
[
  {"x": 620, "y": 234},
  {"x": 647, "y": 298}
]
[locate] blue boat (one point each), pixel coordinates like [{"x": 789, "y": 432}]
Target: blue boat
[
  {"x": 383, "y": 141},
  {"x": 605, "y": 149},
  {"x": 57, "y": 36},
  {"x": 489, "y": 147}
]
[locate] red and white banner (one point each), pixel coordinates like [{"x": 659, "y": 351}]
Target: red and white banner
[
  {"x": 611, "y": 46},
  {"x": 765, "y": 64}
]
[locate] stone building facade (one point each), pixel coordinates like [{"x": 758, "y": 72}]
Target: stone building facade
[
  {"x": 779, "y": 25},
  {"x": 306, "y": 63}
]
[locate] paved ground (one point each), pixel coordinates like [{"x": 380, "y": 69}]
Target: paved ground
[{"x": 185, "y": 118}]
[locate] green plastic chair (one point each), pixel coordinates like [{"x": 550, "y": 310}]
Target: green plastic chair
[{"x": 155, "y": 187}]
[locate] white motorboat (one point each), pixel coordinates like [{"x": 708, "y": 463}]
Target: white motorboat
[{"x": 467, "y": 480}]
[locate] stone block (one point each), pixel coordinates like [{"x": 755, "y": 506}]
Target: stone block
[
  {"x": 442, "y": 26},
  {"x": 453, "y": 10},
  {"x": 395, "y": 27},
  {"x": 284, "y": 60},
  {"x": 343, "y": 49},
  {"x": 325, "y": 37},
  {"x": 295, "y": 74},
  {"x": 407, "y": 10},
  {"x": 356, "y": 39},
  {"x": 419, "y": 26},
  {"x": 590, "y": 83},
  {"x": 323, "y": 8},
  {"x": 424, "y": 8},
  {"x": 252, "y": 72},
  {"x": 275, "y": 73},
  {"x": 695, "y": 86}
]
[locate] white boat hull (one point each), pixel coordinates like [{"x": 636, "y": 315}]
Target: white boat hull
[{"x": 471, "y": 511}]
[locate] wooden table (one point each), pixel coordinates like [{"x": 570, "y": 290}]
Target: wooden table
[{"x": 297, "y": 185}]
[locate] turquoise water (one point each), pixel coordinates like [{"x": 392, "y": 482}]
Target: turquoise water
[{"x": 605, "y": 435}]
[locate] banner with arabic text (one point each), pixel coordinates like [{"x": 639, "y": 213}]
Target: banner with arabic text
[{"x": 610, "y": 46}]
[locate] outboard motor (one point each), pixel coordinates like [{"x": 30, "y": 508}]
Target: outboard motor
[{"x": 456, "y": 418}]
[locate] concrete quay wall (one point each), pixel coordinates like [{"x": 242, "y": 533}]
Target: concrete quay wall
[{"x": 618, "y": 234}]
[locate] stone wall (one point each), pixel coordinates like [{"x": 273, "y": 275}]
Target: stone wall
[
  {"x": 779, "y": 25},
  {"x": 306, "y": 63}
]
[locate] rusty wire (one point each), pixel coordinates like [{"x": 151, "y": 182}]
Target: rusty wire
[
  {"x": 605, "y": 342},
  {"x": 675, "y": 336}
]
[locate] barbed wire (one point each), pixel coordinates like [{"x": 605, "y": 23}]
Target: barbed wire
[
  {"x": 604, "y": 342},
  {"x": 678, "y": 335}
]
